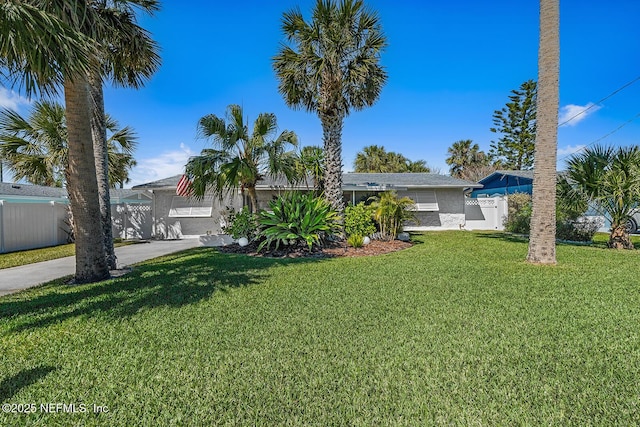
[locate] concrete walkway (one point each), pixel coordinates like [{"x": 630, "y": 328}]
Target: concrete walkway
[{"x": 25, "y": 276}]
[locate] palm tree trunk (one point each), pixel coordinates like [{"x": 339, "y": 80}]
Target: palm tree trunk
[
  {"x": 332, "y": 138},
  {"x": 619, "y": 238},
  {"x": 542, "y": 240},
  {"x": 100, "y": 151},
  {"x": 253, "y": 198},
  {"x": 82, "y": 187}
]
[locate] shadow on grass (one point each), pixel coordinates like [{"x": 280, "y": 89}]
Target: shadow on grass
[
  {"x": 171, "y": 281},
  {"x": 13, "y": 384}
]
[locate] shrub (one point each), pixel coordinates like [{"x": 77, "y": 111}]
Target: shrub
[
  {"x": 519, "y": 213},
  {"x": 358, "y": 219},
  {"x": 297, "y": 218},
  {"x": 355, "y": 240},
  {"x": 391, "y": 212},
  {"x": 241, "y": 224},
  {"x": 569, "y": 226},
  {"x": 580, "y": 230}
]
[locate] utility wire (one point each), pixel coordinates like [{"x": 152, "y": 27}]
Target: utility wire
[{"x": 600, "y": 101}]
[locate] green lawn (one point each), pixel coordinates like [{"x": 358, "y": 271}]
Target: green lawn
[{"x": 456, "y": 330}]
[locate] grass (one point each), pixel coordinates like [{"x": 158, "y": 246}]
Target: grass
[
  {"x": 14, "y": 259},
  {"x": 456, "y": 330}
]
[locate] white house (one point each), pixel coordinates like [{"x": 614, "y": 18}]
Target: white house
[{"x": 440, "y": 201}]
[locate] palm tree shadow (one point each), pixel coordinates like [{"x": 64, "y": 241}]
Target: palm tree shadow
[
  {"x": 172, "y": 281},
  {"x": 10, "y": 386}
]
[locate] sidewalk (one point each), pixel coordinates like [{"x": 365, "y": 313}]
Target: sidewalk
[{"x": 25, "y": 276}]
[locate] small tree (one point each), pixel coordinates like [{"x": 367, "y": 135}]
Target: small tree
[
  {"x": 610, "y": 178},
  {"x": 517, "y": 123},
  {"x": 391, "y": 212}
]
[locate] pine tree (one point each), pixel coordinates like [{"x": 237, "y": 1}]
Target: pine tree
[{"x": 517, "y": 123}]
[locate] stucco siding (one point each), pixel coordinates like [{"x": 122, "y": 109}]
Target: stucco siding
[
  {"x": 167, "y": 227},
  {"x": 450, "y": 213}
]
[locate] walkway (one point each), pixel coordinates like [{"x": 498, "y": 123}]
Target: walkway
[{"x": 17, "y": 278}]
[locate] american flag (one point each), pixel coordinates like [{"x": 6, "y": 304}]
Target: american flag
[{"x": 184, "y": 187}]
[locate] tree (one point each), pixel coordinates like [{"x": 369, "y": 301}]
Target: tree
[
  {"x": 331, "y": 66},
  {"x": 375, "y": 159},
  {"x": 465, "y": 155},
  {"x": 239, "y": 159},
  {"x": 46, "y": 45},
  {"x": 311, "y": 165},
  {"x": 517, "y": 123},
  {"x": 128, "y": 56},
  {"x": 610, "y": 179},
  {"x": 36, "y": 147},
  {"x": 542, "y": 240}
]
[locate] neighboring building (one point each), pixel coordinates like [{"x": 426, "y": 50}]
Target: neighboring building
[
  {"x": 504, "y": 182},
  {"x": 440, "y": 201},
  {"x": 35, "y": 216}
]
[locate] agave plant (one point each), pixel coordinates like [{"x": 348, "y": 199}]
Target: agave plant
[{"x": 297, "y": 218}]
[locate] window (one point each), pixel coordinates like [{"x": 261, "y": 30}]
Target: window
[
  {"x": 183, "y": 207},
  {"x": 425, "y": 200}
]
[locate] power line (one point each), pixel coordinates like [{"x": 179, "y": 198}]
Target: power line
[
  {"x": 600, "y": 101},
  {"x": 603, "y": 137}
]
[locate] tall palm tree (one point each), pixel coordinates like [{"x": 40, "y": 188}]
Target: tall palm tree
[
  {"x": 41, "y": 59},
  {"x": 610, "y": 179},
  {"x": 331, "y": 66},
  {"x": 542, "y": 238},
  {"x": 128, "y": 57},
  {"x": 35, "y": 148},
  {"x": 462, "y": 155},
  {"x": 240, "y": 159}
]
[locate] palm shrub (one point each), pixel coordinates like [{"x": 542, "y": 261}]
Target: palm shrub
[
  {"x": 391, "y": 212},
  {"x": 296, "y": 218},
  {"x": 242, "y": 224},
  {"x": 358, "y": 220}
]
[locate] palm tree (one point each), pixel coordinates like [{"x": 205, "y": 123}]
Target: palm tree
[
  {"x": 542, "y": 239},
  {"x": 311, "y": 165},
  {"x": 128, "y": 57},
  {"x": 331, "y": 66},
  {"x": 372, "y": 158},
  {"x": 464, "y": 154},
  {"x": 35, "y": 148},
  {"x": 239, "y": 159},
  {"x": 610, "y": 179}
]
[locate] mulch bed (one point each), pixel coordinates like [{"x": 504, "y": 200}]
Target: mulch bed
[{"x": 331, "y": 250}]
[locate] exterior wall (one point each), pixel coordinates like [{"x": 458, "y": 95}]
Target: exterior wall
[
  {"x": 32, "y": 225},
  {"x": 450, "y": 214},
  {"x": 132, "y": 221},
  {"x": 165, "y": 227}
]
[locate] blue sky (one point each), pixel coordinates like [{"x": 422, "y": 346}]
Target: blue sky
[{"x": 450, "y": 65}]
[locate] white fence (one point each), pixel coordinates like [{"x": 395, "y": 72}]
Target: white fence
[
  {"x": 31, "y": 225},
  {"x": 38, "y": 224},
  {"x": 485, "y": 213}
]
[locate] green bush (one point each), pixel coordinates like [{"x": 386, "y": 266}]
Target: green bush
[
  {"x": 241, "y": 224},
  {"x": 519, "y": 213},
  {"x": 358, "y": 219},
  {"x": 569, "y": 225},
  {"x": 297, "y": 218},
  {"x": 391, "y": 212},
  {"x": 355, "y": 240}
]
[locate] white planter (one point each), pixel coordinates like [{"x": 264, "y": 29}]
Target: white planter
[
  {"x": 366, "y": 240},
  {"x": 243, "y": 241}
]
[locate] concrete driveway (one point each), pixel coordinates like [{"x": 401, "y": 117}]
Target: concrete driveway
[{"x": 25, "y": 276}]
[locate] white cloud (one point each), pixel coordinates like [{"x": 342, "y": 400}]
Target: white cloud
[
  {"x": 569, "y": 150},
  {"x": 11, "y": 100},
  {"x": 166, "y": 164},
  {"x": 573, "y": 114}
]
